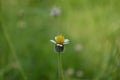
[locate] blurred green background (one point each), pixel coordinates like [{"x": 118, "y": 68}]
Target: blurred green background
[{"x": 26, "y": 28}]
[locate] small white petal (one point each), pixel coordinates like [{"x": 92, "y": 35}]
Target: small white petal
[
  {"x": 53, "y": 41},
  {"x": 59, "y": 45},
  {"x": 55, "y": 38},
  {"x": 66, "y": 40}
]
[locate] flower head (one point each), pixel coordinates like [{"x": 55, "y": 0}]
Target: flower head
[
  {"x": 59, "y": 42},
  {"x": 70, "y": 71},
  {"x": 59, "y": 39},
  {"x": 55, "y": 11}
]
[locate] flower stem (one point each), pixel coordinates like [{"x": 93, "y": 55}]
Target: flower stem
[{"x": 60, "y": 70}]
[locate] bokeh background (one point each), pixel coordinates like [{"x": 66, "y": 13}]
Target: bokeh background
[{"x": 26, "y": 28}]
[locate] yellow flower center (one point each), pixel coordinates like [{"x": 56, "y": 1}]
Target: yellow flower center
[{"x": 60, "y": 39}]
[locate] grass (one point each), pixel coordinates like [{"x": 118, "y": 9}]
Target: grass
[{"x": 26, "y": 28}]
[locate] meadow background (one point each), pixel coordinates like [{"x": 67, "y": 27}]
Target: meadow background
[{"x": 26, "y": 28}]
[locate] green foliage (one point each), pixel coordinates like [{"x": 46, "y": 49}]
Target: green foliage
[{"x": 91, "y": 25}]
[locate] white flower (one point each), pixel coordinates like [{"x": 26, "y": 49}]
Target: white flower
[
  {"x": 78, "y": 47},
  {"x": 55, "y": 11},
  {"x": 70, "y": 71},
  {"x": 59, "y": 43},
  {"x": 21, "y": 24}
]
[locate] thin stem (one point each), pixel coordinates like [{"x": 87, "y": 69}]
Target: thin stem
[
  {"x": 60, "y": 70},
  {"x": 14, "y": 53}
]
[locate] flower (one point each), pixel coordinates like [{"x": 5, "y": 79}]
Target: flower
[
  {"x": 59, "y": 42},
  {"x": 21, "y": 24},
  {"x": 70, "y": 71},
  {"x": 79, "y": 73},
  {"x": 55, "y": 11},
  {"x": 78, "y": 47}
]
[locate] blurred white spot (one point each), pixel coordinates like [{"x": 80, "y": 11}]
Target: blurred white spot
[
  {"x": 21, "y": 13},
  {"x": 118, "y": 63},
  {"x": 79, "y": 73},
  {"x": 69, "y": 71},
  {"x": 55, "y": 11},
  {"x": 21, "y": 24},
  {"x": 118, "y": 41},
  {"x": 78, "y": 47}
]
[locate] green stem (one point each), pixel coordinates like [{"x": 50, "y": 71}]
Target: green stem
[
  {"x": 11, "y": 46},
  {"x": 60, "y": 70}
]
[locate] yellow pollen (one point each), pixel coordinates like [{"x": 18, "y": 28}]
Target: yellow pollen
[{"x": 60, "y": 39}]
